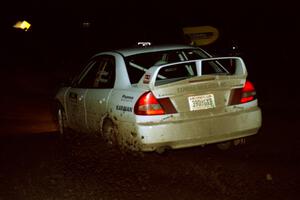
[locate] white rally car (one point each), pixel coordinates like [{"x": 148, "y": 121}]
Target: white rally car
[{"x": 157, "y": 97}]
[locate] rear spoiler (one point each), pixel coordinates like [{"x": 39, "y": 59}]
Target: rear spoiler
[{"x": 149, "y": 78}]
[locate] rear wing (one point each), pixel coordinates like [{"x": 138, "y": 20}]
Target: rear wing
[{"x": 196, "y": 68}]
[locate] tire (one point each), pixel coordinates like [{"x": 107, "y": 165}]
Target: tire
[
  {"x": 109, "y": 133},
  {"x": 65, "y": 133},
  {"x": 224, "y": 146},
  {"x": 61, "y": 121}
]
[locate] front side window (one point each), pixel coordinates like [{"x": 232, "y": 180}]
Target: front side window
[{"x": 100, "y": 73}]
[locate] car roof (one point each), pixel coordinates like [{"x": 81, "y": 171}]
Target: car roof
[{"x": 137, "y": 50}]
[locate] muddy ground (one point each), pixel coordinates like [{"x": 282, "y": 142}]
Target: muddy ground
[{"x": 36, "y": 164}]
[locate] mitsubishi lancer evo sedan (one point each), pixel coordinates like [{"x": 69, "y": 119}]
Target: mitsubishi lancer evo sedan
[{"x": 154, "y": 98}]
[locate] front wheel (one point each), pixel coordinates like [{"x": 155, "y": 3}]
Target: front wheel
[
  {"x": 61, "y": 119},
  {"x": 64, "y": 131}
]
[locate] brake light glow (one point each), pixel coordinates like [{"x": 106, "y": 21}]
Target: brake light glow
[
  {"x": 243, "y": 95},
  {"x": 248, "y": 92},
  {"x": 147, "y": 104}
]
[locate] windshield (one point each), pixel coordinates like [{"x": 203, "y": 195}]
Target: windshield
[{"x": 139, "y": 63}]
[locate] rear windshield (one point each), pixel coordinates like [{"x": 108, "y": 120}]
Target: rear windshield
[
  {"x": 178, "y": 71},
  {"x": 139, "y": 63}
]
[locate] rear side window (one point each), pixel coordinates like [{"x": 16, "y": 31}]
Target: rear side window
[{"x": 139, "y": 63}]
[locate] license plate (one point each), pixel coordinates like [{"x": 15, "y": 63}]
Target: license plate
[{"x": 202, "y": 102}]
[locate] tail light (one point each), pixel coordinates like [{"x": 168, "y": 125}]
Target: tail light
[
  {"x": 147, "y": 104},
  {"x": 248, "y": 92},
  {"x": 243, "y": 95}
]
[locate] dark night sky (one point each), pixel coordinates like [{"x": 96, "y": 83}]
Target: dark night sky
[
  {"x": 267, "y": 32},
  {"x": 257, "y": 23}
]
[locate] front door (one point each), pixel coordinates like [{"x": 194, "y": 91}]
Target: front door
[
  {"x": 76, "y": 108},
  {"x": 76, "y": 104}
]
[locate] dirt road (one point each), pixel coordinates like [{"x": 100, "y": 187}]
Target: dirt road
[{"x": 39, "y": 165}]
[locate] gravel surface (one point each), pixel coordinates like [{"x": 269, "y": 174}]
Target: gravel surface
[{"x": 43, "y": 167}]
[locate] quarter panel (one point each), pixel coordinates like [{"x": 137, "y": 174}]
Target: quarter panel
[{"x": 121, "y": 105}]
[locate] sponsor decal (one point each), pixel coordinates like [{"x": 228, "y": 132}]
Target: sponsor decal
[
  {"x": 126, "y": 98},
  {"x": 147, "y": 78},
  {"x": 124, "y": 108}
]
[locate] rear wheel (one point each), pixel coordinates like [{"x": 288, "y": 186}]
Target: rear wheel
[
  {"x": 229, "y": 144},
  {"x": 109, "y": 132},
  {"x": 224, "y": 145}
]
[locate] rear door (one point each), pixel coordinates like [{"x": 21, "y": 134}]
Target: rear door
[
  {"x": 97, "y": 95},
  {"x": 76, "y": 97},
  {"x": 84, "y": 93}
]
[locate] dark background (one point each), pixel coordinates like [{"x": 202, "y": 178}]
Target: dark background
[
  {"x": 267, "y": 35},
  {"x": 36, "y": 164}
]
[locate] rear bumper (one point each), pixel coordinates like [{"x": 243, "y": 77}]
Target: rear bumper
[{"x": 200, "y": 131}]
